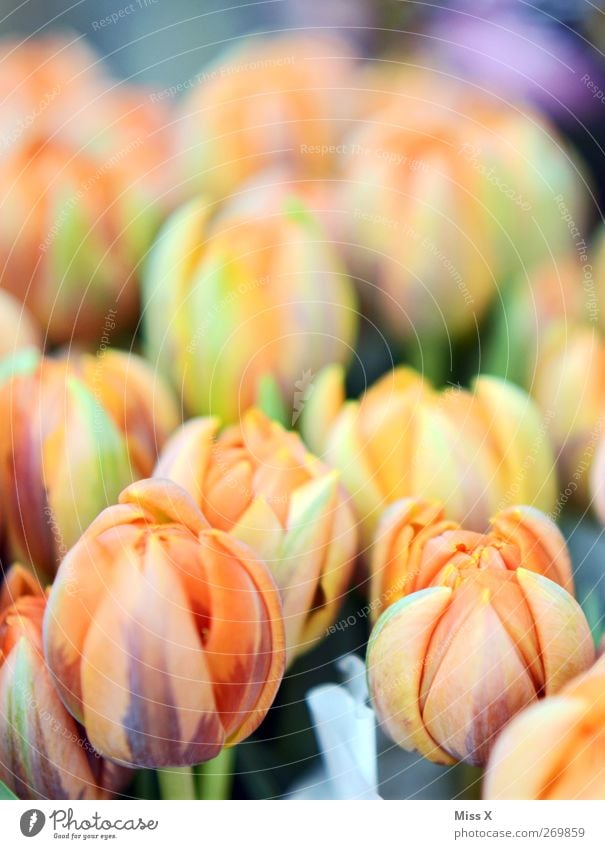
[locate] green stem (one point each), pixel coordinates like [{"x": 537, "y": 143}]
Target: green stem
[
  {"x": 177, "y": 783},
  {"x": 468, "y": 781},
  {"x": 215, "y": 777}
]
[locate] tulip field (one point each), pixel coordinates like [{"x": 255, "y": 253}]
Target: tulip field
[{"x": 302, "y": 402}]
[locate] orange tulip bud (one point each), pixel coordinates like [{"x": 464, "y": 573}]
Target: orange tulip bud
[
  {"x": 44, "y": 753},
  {"x": 415, "y": 541},
  {"x": 74, "y": 433},
  {"x": 475, "y": 451},
  {"x": 257, "y": 481},
  {"x": 450, "y": 665},
  {"x": 165, "y": 637},
  {"x": 555, "y": 749}
]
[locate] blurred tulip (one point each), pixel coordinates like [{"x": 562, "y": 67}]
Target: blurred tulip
[
  {"x": 555, "y": 749},
  {"x": 165, "y": 638},
  {"x": 258, "y": 482},
  {"x": 55, "y": 87},
  {"x": 18, "y": 582},
  {"x": 18, "y": 330},
  {"x": 135, "y": 397},
  {"x": 62, "y": 459},
  {"x": 569, "y": 388},
  {"x": 451, "y": 664},
  {"x": 74, "y": 227},
  {"x": 44, "y": 753},
  {"x": 448, "y": 195},
  {"x": 415, "y": 539},
  {"x": 252, "y": 297},
  {"x": 476, "y": 452},
  {"x": 283, "y": 100}
]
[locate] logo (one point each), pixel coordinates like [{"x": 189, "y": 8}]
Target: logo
[{"x": 32, "y": 822}]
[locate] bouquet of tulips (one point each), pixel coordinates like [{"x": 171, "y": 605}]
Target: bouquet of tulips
[{"x": 300, "y": 380}]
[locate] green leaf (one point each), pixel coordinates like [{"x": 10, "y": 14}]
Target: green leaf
[{"x": 5, "y": 793}]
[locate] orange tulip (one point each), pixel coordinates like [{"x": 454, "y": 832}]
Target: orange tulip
[
  {"x": 73, "y": 230},
  {"x": 280, "y": 100},
  {"x": 451, "y": 664},
  {"x": 415, "y": 540},
  {"x": 74, "y": 433},
  {"x": 259, "y": 483},
  {"x": 44, "y": 753},
  {"x": 569, "y": 387},
  {"x": 555, "y": 749},
  {"x": 475, "y": 451},
  {"x": 165, "y": 637},
  {"x": 232, "y": 301}
]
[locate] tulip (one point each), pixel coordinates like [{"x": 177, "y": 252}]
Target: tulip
[
  {"x": 259, "y": 483},
  {"x": 448, "y": 195},
  {"x": 554, "y": 749},
  {"x": 74, "y": 227},
  {"x": 44, "y": 753},
  {"x": 164, "y": 637},
  {"x": 476, "y": 452},
  {"x": 451, "y": 664},
  {"x": 569, "y": 387},
  {"x": 415, "y": 539},
  {"x": 18, "y": 330},
  {"x": 280, "y": 100},
  {"x": 135, "y": 397},
  {"x": 62, "y": 459},
  {"x": 230, "y": 303}
]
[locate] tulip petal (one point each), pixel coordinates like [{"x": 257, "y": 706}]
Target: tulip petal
[
  {"x": 395, "y": 661},
  {"x": 564, "y": 636},
  {"x": 528, "y": 751},
  {"x": 543, "y": 547},
  {"x": 187, "y": 453},
  {"x": 143, "y": 669}
]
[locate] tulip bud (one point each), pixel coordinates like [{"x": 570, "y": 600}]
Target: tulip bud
[
  {"x": 18, "y": 330},
  {"x": 569, "y": 387},
  {"x": 474, "y": 451},
  {"x": 258, "y": 482},
  {"x": 62, "y": 459},
  {"x": 73, "y": 231},
  {"x": 227, "y": 305},
  {"x": 447, "y": 196},
  {"x": 415, "y": 541},
  {"x": 165, "y": 638},
  {"x": 44, "y": 753},
  {"x": 451, "y": 664},
  {"x": 554, "y": 749},
  {"x": 283, "y": 99}
]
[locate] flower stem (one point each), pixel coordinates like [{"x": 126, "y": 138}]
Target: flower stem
[
  {"x": 215, "y": 777},
  {"x": 177, "y": 783}
]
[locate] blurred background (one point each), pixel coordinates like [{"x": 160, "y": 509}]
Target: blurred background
[{"x": 549, "y": 53}]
